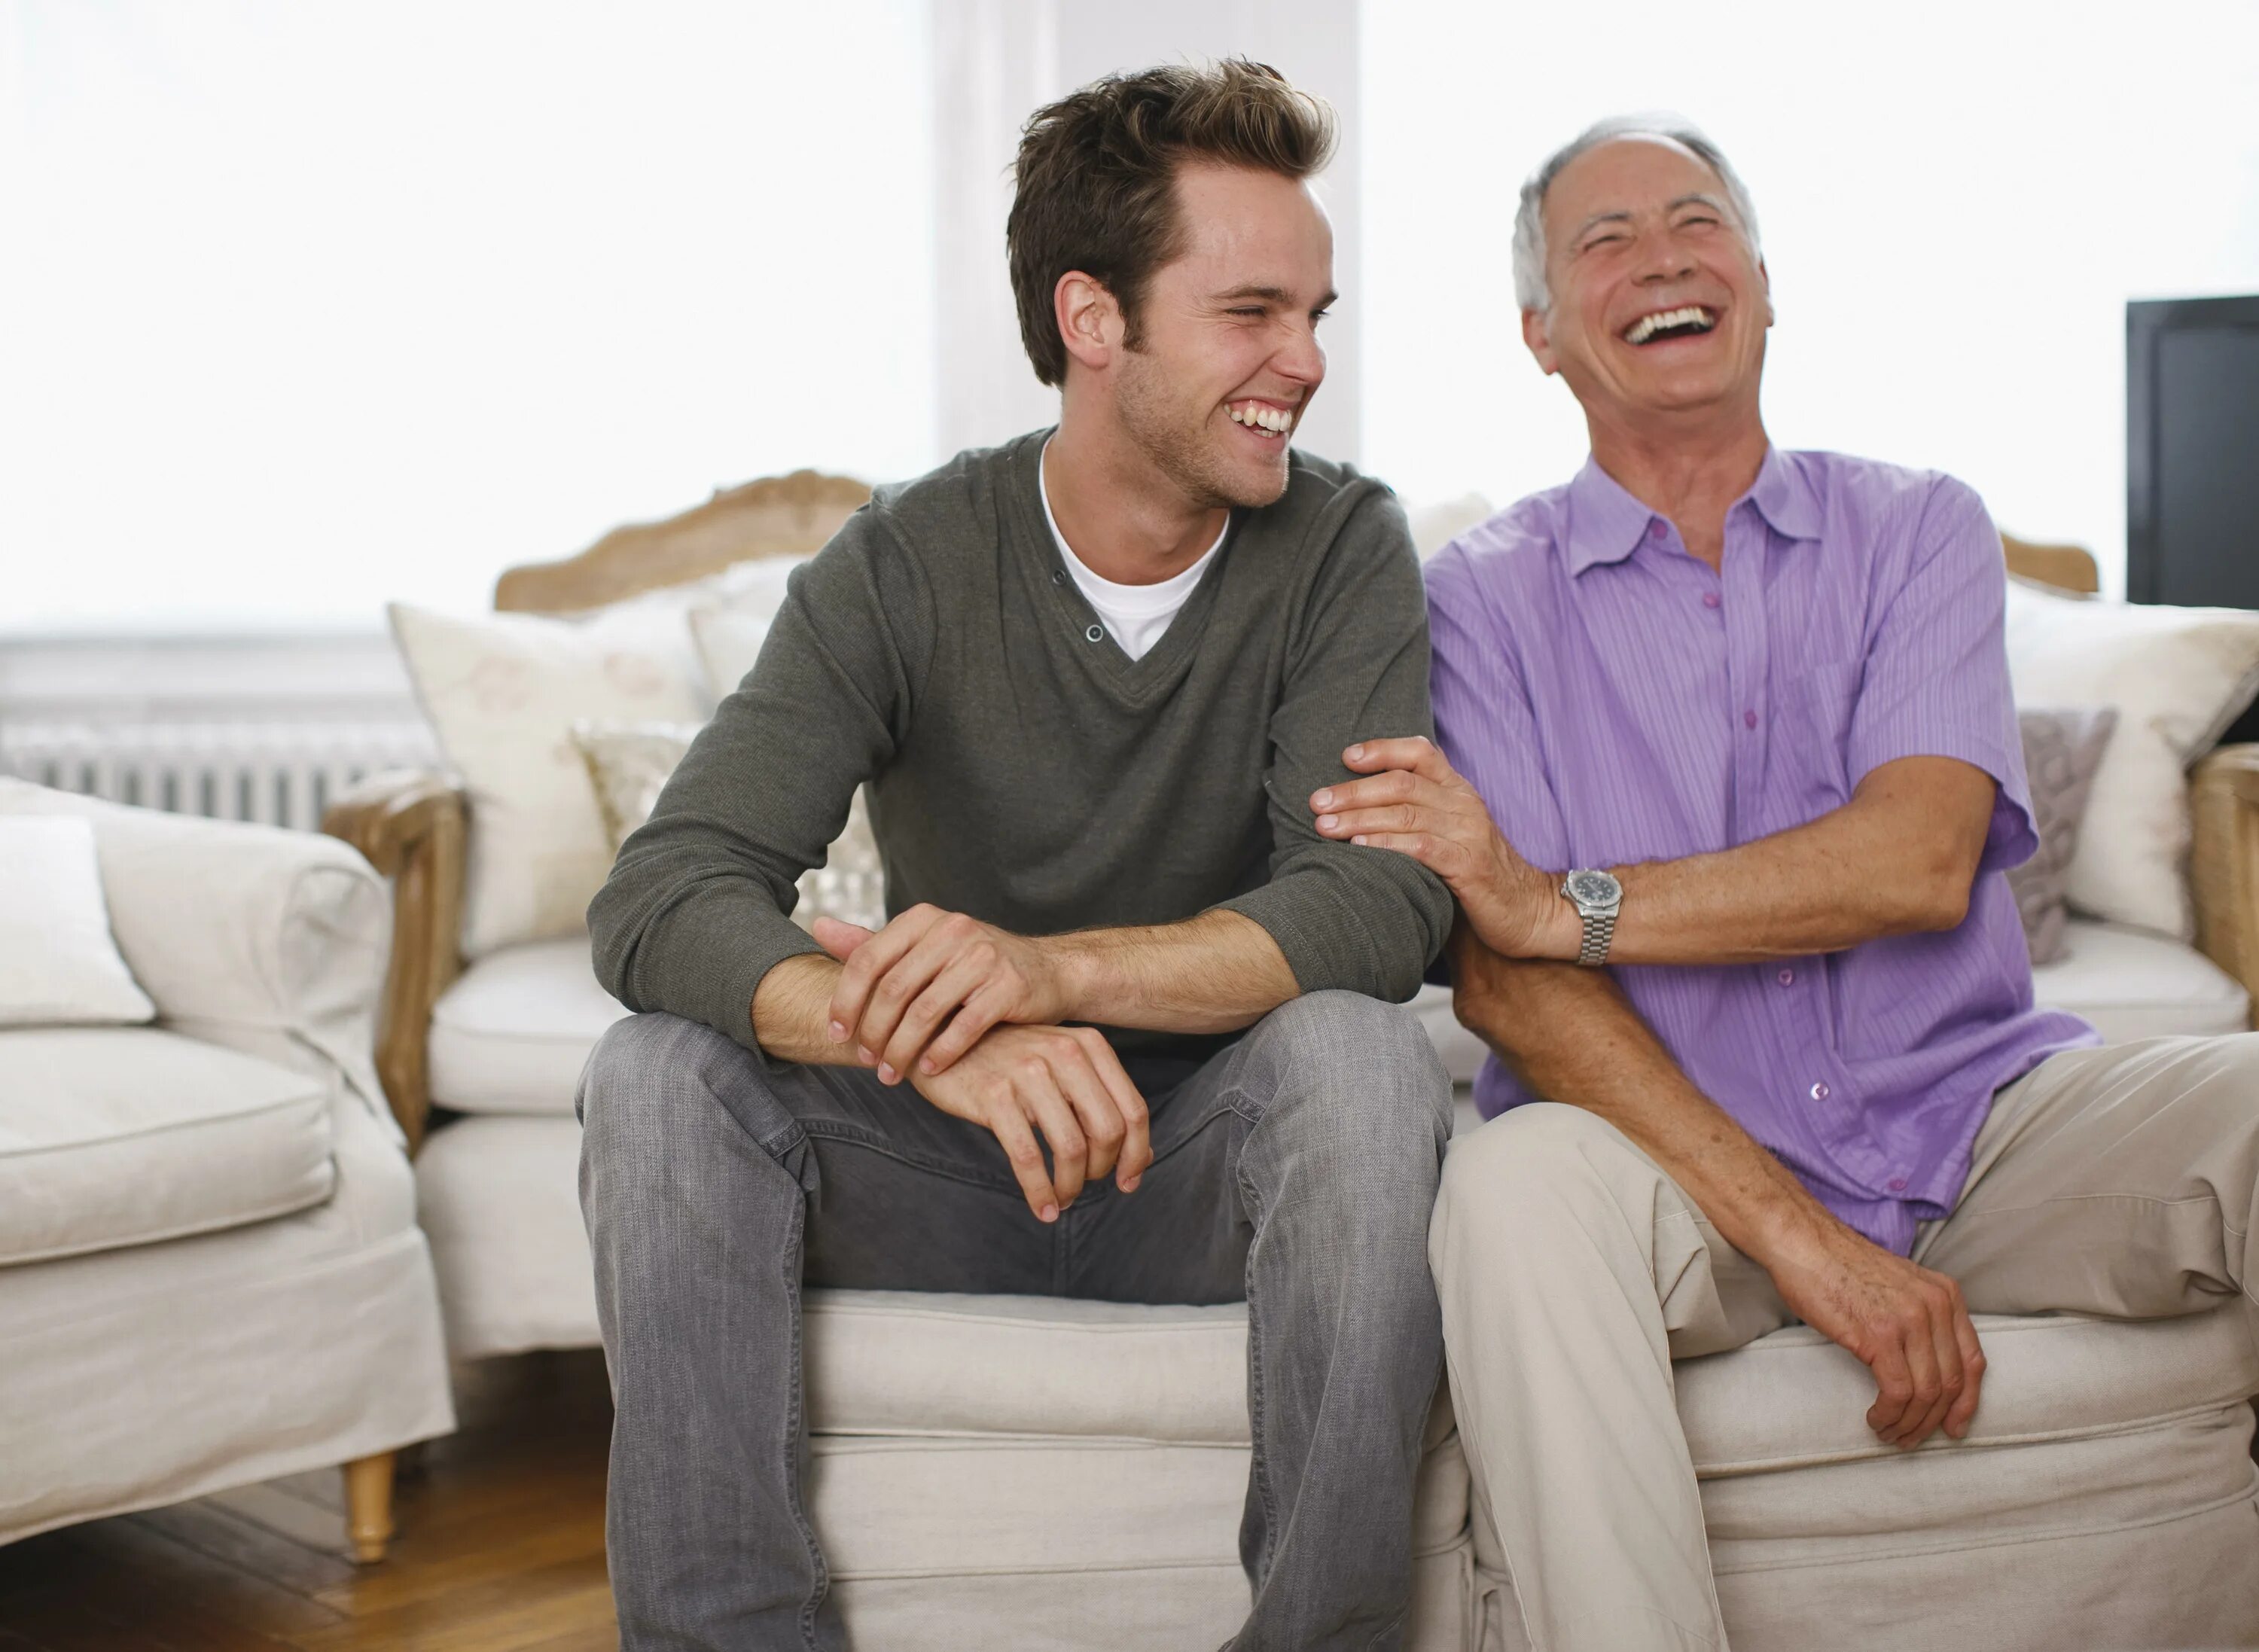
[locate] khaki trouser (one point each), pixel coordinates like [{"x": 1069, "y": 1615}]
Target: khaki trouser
[{"x": 1573, "y": 1270}]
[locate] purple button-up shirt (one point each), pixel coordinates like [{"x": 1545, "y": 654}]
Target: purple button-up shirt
[{"x": 1615, "y": 701}]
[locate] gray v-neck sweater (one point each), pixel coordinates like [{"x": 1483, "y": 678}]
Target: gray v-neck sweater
[{"x": 1022, "y": 769}]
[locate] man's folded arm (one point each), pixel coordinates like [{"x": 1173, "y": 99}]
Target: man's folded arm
[
  {"x": 1570, "y": 1035},
  {"x": 693, "y": 919},
  {"x": 1344, "y": 917}
]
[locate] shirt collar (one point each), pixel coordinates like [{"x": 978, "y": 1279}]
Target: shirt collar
[{"x": 1605, "y": 522}]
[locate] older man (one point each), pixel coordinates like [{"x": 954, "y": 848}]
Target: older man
[{"x": 1755, "y": 706}]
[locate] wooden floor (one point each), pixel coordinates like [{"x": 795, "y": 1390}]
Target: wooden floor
[{"x": 500, "y": 1548}]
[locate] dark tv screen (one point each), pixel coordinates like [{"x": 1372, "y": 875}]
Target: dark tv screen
[{"x": 2192, "y": 457}]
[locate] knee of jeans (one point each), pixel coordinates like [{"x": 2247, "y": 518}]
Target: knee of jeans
[
  {"x": 1520, "y": 1167},
  {"x": 1356, "y": 1069},
  {"x": 644, "y": 1080}
]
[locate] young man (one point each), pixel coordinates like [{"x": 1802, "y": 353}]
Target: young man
[
  {"x": 1089, "y": 677},
  {"x": 1755, "y": 706}
]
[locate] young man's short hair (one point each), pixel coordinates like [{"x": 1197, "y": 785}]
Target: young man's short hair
[{"x": 1095, "y": 169}]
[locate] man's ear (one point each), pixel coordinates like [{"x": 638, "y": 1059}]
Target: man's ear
[
  {"x": 1765, "y": 275},
  {"x": 1089, "y": 320},
  {"x": 1540, "y": 343}
]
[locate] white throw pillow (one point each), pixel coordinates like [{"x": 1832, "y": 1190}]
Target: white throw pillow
[
  {"x": 502, "y": 692},
  {"x": 2177, "y": 676},
  {"x": 1435, "y": 523},
  {"x": 729, "y": 642},
  {"x": 59, "y": 963}
]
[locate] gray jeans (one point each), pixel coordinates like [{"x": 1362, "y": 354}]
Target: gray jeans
[{"x": 1295, "y": 1170}]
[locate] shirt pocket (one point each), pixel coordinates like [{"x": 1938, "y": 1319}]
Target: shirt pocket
[{"x": 1812, "y": 755}]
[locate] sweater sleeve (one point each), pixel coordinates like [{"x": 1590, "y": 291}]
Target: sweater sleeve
[
  {"x": 1364, "y": 919},
  {"x": 695, "y": 911}
]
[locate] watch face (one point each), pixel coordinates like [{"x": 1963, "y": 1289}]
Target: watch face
[{"x": 1594, "y": 889}]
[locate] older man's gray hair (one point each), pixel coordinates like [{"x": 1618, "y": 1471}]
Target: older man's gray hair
[{"x": 1529, "y": 289}]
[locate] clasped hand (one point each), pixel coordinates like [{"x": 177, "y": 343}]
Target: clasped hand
[
  {"x": 1414, "y": 802},
  {"x": 959, "y": 1009}
]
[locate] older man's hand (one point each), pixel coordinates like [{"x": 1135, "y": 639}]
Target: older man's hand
[
  {"x": 916, "y": 995},
  {"x": 1905, "y": 1324},
  {"x": 1414, "y": 802}
]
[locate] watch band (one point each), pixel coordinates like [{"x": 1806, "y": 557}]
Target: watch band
[{"x": 1600, "y": 930}]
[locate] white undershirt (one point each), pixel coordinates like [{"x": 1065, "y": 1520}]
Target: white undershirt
[{"x": 1135, "y": 616}]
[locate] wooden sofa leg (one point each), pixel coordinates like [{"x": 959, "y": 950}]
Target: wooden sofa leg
[{"x": 368, "y": 1507}]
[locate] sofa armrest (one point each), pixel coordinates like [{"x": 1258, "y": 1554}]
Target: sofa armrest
[
  {"x": 2224, "y": 861},
  {"x": 412, "y": 826},
  {"x": 268, "y": 941}
]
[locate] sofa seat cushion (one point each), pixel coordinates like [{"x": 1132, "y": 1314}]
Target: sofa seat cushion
[
  {"x": 924, "y": 1362},
  {"x": 1004, "y": 1394},
  {"x": 115, "y": 1136},
  {"x": 1794, "y": 1399},
  {"x": 2135, "y": 984},
  {"x": 513, "y": 1032}
]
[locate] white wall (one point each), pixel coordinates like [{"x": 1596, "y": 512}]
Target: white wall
[
  {"x": 306, "y": 306},
  {"x": 303, "y": 307},
  {"x": 1956, "y": 199}
]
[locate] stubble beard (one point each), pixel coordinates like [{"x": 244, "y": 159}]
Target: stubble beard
[{"x": 1175, "y": 439}]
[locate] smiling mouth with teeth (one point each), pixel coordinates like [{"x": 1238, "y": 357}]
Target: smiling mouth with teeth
[
  {"x": 1688, "y": 321},
  {"x": 1274, "y": 423}
]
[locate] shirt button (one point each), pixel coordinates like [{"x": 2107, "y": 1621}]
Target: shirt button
[
  {"x": 1710, "y": 598},
  {"x": 1821, "y": 1092},
  {"x": 1748, "y": 719},
  {"x": 1787, "y": 977},
  {"x": 1898, "y": 1184},
  {"x": 1656, "y": 530},
  {"x": 1059, "y": 576},
  {"x": 1095, "y": 634}
]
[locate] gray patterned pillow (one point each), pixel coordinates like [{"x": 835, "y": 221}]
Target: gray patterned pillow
[
  {"x": 2062, "y": 750},
  {"x": 630, "y": 761}
]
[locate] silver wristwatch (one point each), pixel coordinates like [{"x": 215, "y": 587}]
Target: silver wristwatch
[{"x": 1597, "y": 896}]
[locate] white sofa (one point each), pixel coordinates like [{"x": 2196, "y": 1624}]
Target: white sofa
[
  {"x": 210, "y": 1272},
  {"x": 2103, "y": 1452},
  {"x": 2106, "y": 1497}
]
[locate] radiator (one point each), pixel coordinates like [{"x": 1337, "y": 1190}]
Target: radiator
[{"x": 277, "y": 771}]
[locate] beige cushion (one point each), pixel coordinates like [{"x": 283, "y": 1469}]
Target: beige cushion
[
  {"x": 2178, "y": 677},
  {"x": 113, "y": 1137},
  {"x": 729, "y": 640},
  {"x": 513, "y": 1032},
  {"x": 892, "y": 1505},
  {"x": 1794, "y": 1399},
  {"x": 1012, "y": 1364},
  {"x": 502, "y": 691},
  {"x": 2133, "y": 984},
  {"x": 2103, "y": 1498}
]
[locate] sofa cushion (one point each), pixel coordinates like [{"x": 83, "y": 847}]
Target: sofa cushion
[
  {"x": 1037, "y": 1365},
  {"x": 513, "y": 1032},
  {"x": 2133, "y": 984},
  {"x": 114, "y": 1136},
  {"x": 1794, "y": 1399}
]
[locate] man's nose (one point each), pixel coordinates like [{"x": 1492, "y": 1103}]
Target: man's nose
[
  {"x": 1301, "y": 357},
  {"x": 1662, "y": 258}
]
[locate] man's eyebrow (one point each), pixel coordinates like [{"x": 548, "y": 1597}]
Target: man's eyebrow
[
  {"x": 1598, "y": 218},
  {"x": 1272, "y": 295}
]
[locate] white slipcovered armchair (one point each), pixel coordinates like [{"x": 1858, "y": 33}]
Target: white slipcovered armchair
[{"x": 210, "y": 1272}]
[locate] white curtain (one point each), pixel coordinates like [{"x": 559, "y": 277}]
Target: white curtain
[
  {"x": 1957, "y": 200},
  {"x": 306, "y": 306}
]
